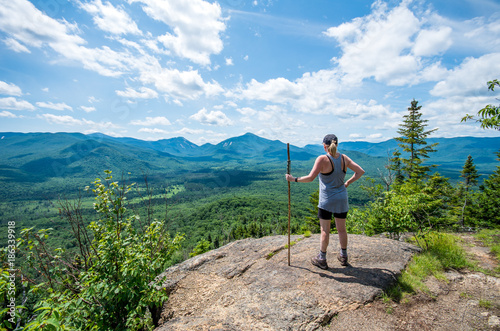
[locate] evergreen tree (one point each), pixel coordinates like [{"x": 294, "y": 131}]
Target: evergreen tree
[
  {"x": 413, "y": 141},
  {"x": 470, "y": 175},
  {"x": 312, "y": 222},
  {"x": 397, "y": 168},
  {"x": 440, "y": 192},
  {"x": 488, "y": 210}
]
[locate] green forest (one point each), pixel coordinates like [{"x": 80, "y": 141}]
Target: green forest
[{"x": 87, "y": 237}]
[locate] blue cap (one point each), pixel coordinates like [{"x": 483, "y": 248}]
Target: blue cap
[{"x": 329, "y": 138}]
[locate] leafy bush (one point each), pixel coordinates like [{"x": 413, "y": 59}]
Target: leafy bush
[
  {"x": 411, "y": 207},
  {"x": 357, "y": 222},
  {"x": 111, "y": 284},
  {"x": 203, "y": 246}
]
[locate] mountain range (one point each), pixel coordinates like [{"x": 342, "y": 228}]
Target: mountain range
[{"x": 38, "y": 155}]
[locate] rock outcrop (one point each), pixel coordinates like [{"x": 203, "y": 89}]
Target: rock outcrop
[{"x": 248, "y": 285}]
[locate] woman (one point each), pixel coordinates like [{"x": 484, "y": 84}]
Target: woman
[{"x": 331, "y": 169}]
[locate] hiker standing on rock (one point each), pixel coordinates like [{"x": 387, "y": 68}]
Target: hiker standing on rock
[{"x": 331, "y": 169}]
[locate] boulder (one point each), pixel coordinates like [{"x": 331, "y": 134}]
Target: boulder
[{"x": 248, "y": 284}]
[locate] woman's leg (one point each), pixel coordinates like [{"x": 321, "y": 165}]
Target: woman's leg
[
  {"x": 340, "y": 224},
  {"x": 325, "y": 234}
]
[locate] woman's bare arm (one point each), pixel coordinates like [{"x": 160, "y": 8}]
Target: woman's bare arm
[
  {"x": 358, "y": 171},
  {"x": 316, "y": 169}
]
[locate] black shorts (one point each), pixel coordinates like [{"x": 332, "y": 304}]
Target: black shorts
[{"x": 327, "y": 215}]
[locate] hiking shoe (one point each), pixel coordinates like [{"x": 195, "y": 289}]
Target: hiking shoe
[
  {"x": 343, "y": 260},
  {"x": 319, "y": 263}
]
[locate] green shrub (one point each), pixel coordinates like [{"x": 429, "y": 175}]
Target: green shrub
[
  {"x": 440, "y": 252},
  {"x": 111, "y": 284},
  {"x": 446, "y": 249},
  {"x": 203, "y": 246}
]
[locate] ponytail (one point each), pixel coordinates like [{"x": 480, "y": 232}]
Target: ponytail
[{"x": 332, "y": 149}]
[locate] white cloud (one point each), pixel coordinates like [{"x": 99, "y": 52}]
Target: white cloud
[
  {"x": 71, "y": 121},
  {"x": 388, "y": 45},
  {"x": 479, "y": 33},
  {"x": 433, "y": 73},
  {"x": 150, "y": 121},
  {"x": 55, "y": 106},
  {"x": 447, "y": 113},
  {"x": 111, "y": 19},
  {"x": 16, "y": 46},
  {"x": 14, "y": 104},
  {"x": 7, "y": 114},
  {"x": 470, "y": 77},
  {"x": 279, "y": 90},
  {"x": 374, "y": 136},
  {"x": 45, "y": 89},
  {"x": 62, "y": 120},
  {"x": 315, "y": 93},
  {"x": 215, "y": 117},
  {"x": 155, "y": 131},
  {"x": 143, "y": 93},
  {"x": 196, "y": 27},
  {"x": 247, "y": 111},
  {"x": 87, "y": 109},
  {"x": 180, "y": 84},
  {"x": 23, "y": 22},
  {"x": 229, "y": 61},
  {"x": 355, "y": 136},
  {"x": 274, "y": 121},
  {"x": 431, "y": 42},
  {"x": 9, "y": 89}
]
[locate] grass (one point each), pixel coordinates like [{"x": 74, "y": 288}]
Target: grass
[
  {"x": 491, "y": 238},
  {"x": 485, "y": 304},
  {"x": 307, "y": 234},
  {"x": 442, "y": 253}
]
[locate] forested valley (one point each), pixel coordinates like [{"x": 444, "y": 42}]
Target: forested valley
[{"x": 97, "y": 218}]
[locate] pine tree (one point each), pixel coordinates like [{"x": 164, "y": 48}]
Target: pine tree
[
  {"x": 470, "y": 175},
  {"x": 488, "y": 211},
  {"x": 413, "y": 141},
  {"x": 396, "y": 167}
]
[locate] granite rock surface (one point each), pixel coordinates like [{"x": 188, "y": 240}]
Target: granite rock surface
[{"x": 248, "y": 284}]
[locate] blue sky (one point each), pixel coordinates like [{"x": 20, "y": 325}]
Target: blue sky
[{"x": 208, "y": 71}]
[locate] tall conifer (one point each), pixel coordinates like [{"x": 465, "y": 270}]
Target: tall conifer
[
  {"x": 396, "y": 167},
  {"x": 488, "y": 209},
  {"x": 470, "y": 175},
  {"x": 413, "y": 141}
]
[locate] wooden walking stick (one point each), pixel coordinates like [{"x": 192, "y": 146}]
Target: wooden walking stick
[{"x": 289, "y": 201}]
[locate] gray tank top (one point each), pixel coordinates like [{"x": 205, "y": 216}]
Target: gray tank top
[{"x": 332, "y": 192}]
